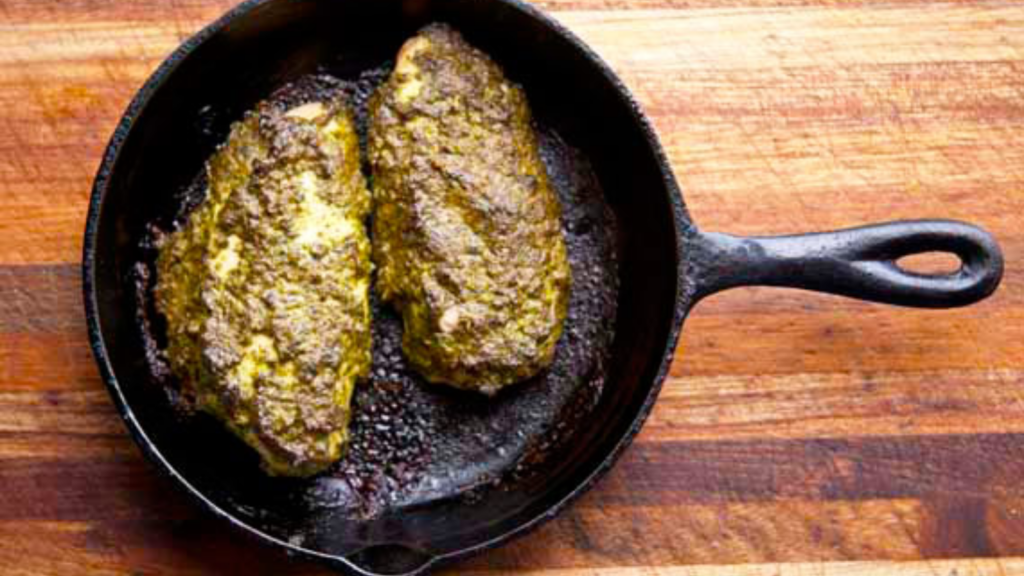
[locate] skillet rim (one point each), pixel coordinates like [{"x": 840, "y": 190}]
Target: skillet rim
[{"x": 683, "y": 229}]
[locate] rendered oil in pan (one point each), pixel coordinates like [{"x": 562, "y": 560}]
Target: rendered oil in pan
[{"x": 413, "y": 442}]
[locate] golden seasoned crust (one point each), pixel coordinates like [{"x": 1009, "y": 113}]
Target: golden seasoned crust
[
  {"x": 467, "y": 230},
  {"x": 265, "y": 288}
]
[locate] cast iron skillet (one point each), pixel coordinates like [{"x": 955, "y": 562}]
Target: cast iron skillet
[{"x": 666, "y": 264}]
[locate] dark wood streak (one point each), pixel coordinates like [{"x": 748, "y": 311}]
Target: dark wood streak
[
  {"x": 41, "y": 299},
  {"x": 939, "y": 468},
  {"x": 821, "y": 470},
  {"x": 951, "y": 528}
]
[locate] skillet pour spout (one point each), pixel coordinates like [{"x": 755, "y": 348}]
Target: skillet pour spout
[{"x": 662, "y": 265}]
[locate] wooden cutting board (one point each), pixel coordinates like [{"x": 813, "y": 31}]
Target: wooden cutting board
[{"x": 799, "y": 434}]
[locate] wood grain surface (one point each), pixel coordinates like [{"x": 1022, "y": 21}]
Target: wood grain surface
[{"x": 799, "y": 434}]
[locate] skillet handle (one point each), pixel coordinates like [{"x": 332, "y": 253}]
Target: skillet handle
[{"x": 856, "y": 262}]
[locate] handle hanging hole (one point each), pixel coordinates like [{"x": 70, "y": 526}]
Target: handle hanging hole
[{"x": 931, "y": 263}]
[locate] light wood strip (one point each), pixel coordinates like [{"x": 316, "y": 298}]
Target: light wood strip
[
  {"x": 848, "y": 405},
  {"x": 47, "y": 362},
  {"x": 959, "y": 567}
]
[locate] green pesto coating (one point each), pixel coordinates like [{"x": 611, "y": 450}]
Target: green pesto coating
[
  {"x": 265, "y": 287},
  {"x": 467, "y": 230}
]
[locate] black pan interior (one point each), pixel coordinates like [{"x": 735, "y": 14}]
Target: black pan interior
[
  {"x": 504, "y": 464},
  {"x": 412, "y": 443}
]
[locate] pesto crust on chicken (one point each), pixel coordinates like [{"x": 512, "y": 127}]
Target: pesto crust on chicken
[
  {"x": 467, "y": 230},
  {"x": 265, "y": 288}
]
